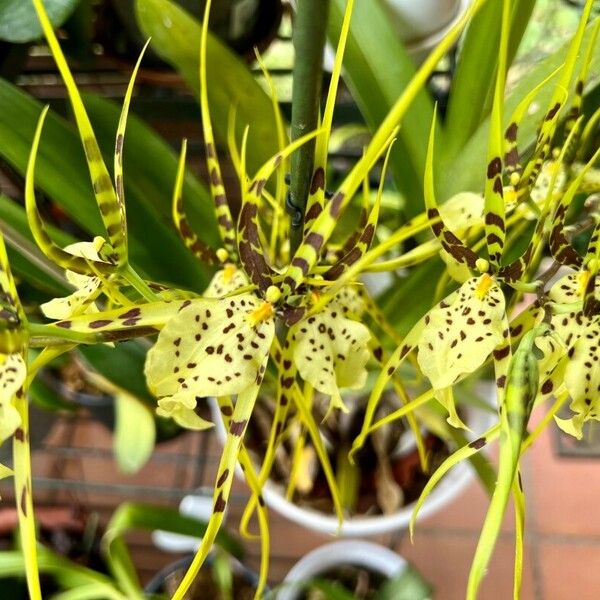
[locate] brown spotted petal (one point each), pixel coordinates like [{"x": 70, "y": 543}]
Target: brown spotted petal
[
  {"x": 12, "y": 377},
  {"x": 226, "y": 280},
  {"x": 331, "y": 351},
  {"x": 459, "y": 336},
  {"x": 582, "y": 377},
  {"x": 211, "y": 348}
]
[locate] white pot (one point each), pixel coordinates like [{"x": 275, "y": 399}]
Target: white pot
[
  {"x": 447, "y": 489},
  {"x": 418, "y": 20},
  {"x": 367, "y": 555}
]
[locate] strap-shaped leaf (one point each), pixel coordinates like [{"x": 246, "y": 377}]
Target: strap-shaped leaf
[
  {"x": 316, "y": 197},
  {"x": 250, "y": 248},
  {"x": 449, "y": 241},
  {"x": 363, "y": 243},
  {"x": 217, "y": 189},
  {"x": 521, "y": 389},
  {"x": 237, "y": 428},
  {"x": 113, "y": 214},
  {"x": 495, "y": 227},
  {"x": 561, "y": 248},
  {"x": 62, "y": 258},
  {"x": 202, "y": 252}
]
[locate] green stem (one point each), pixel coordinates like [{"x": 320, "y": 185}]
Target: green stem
[
  {"x": 131, "y": 276},
  {"x": 310, "y": 25}
]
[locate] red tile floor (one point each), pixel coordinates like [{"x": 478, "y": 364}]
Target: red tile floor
[{"x": 562, "y": 532}]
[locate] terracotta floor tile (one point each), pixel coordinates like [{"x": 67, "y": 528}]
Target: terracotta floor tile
[
  {"x": 570, "y": 570},
  {"x": 564, "y": 489},
  {"x": 444, "y": 560}
]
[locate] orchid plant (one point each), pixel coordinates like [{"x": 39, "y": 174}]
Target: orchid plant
[{"x": 301, "y": 317}]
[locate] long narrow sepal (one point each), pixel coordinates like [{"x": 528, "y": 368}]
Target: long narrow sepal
[
  {"x": 495, "y": 227},
  {"x": 217, "y": 188},
  {"x": 112, "y": 215},
  {"x": 316, "y": 197},
  {"x": 201, "y": 251},
  {"x": 64, "y": 259}
]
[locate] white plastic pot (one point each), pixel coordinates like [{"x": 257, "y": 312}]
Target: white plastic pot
[
  {"x": 367, "y": 555},
  {"x": 452, "y": 484}
]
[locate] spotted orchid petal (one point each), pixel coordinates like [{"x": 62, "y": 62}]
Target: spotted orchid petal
[
  {"x": 211, "y": 348},
  {"x": 331, "y": 351},
  {"x": 12, "y": 378},
  {"x": 225, "y": 281},
  {"x": 459, "y": 337}
]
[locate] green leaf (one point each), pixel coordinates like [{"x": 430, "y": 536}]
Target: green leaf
[
  {"x": 176, "y": 37},
  {"x": 378, "y": 69},
  {"x": 150, "y": 168},
  {"x": 132, "y": 444},
  {"x": 409, "y": 585},
  {"x": 19, "y": 22},
  {"x": 474, "y": 77}
]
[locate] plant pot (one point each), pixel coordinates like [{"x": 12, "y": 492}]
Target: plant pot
[
  {"x": 372, "y": 557},
  {"x": 159, "y": 583},
  {"x": 456, "y": 480}
]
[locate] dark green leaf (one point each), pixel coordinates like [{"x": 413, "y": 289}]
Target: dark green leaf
[
  {"x": 176, "y": 37},
  {"x": 19, "y": 22},
  {"x": 377, "y": 69}
]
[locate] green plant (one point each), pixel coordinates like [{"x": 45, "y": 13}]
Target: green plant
[{"x": 293, "y": 316}]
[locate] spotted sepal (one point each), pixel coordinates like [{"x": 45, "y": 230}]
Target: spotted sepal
[
  {"x": 217, "y": 189},
  {"x": 448, "y": 240},
  {"x": 331, "y": 352},
  {"x": 286, "y": 369},
  {"x": 576, "y": 104},
  {"x": 226, "y": 281},
  {"x": 365, "y": 239},
  {"x": 201, "y": 251},
  {"x": 251, "y": 252},
  {"x": 12, "y": 377},
  {"x": 455, "y": 458},
  {"x": 62, "y": 258},
  {"x": 459, "y": 335},
  {"x": 495, "y": 226},
  {"x": 511, "y": 152},
  {"x": 113, "y": 215},
  {"x": 560, "y": 247},
  {"x": 557, "y": 103},
  {"x": 121, "y": 245},
  {"x": 211, "y": 348},
  {"x": 13, "y": 333},
  {"x": 314, "y": 241},
  {"x": 521, "y": 390},
  {"x": 244, "y": 406},
  {"x": 316, "y": 197}
]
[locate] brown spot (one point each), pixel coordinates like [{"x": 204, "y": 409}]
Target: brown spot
[
  {"x": 220, "y": 503},
  {"x": 131, "y": 314},
  {"x": 100, "y": 323},
  {"x": 20, "y": 434},
  {"x": 237, "y": 427},
  {"x": 478, "y": 443},
  {"x": 547, "y": 387},
  {"x": 502, "y": 353},
  {"x": 494, "y": 167},
  {"x": 223, "y": 478},
  {"x": 336, "y": 204},
  {"x": 511, "y": 132},
  {"x": 501, "y": 381},
  {"x": 552, "y": 112},
  {"x": 64, "y": 324},
  {"x": 318, "y": 181},
  {"x": 494, "y": 219},
  {"x": 23, "y": 501}
]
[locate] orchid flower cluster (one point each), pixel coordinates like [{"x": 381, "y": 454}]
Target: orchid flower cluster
[{"x": 304, "y": 320}]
